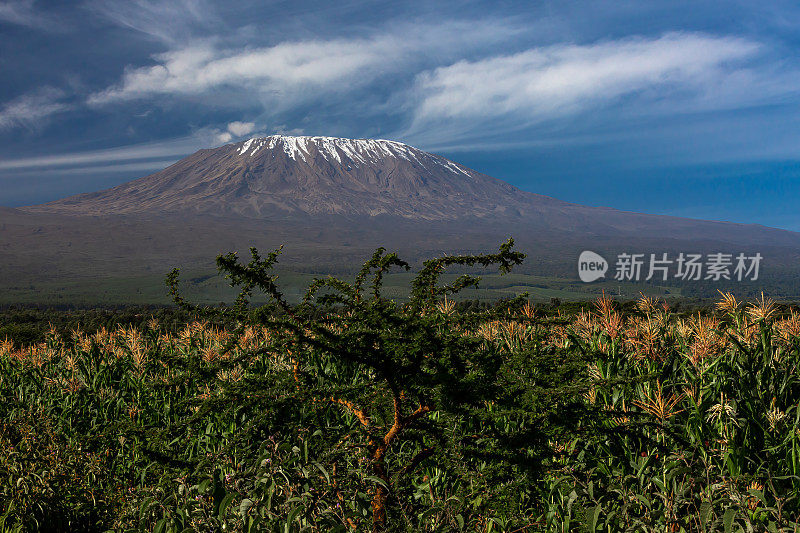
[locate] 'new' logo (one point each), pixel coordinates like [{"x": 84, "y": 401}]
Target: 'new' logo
[{"x": 591, "y": 266}]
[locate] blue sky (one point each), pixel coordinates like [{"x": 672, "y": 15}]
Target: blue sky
[{"x": 683, "y": 108}]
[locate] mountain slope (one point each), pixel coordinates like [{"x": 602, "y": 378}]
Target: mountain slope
[{"x": 279, "y": 175}]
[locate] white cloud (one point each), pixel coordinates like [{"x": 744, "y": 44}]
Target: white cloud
[
  {"x": 302, "y": 70},
  {"x": 241, "y": 128},
  {"x": 201, "y": 68},
  {"x": 234, "y": 130},
  {"x": 22, "y": 12},
  {"x": 169, "y": 21},
  {"x": 137, "y": 166},
  {"x": 556, "y": 81},
  {"x": 224, "y": 137},
  {"x": 31, "y": 110},
  {"x": 164, "y": 149}
]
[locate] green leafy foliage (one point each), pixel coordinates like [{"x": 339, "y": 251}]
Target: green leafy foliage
[{"x": 354, "y": 412}]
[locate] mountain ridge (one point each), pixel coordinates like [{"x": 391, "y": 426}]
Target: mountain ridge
[
  {"x": 281, "y": 177},
  {"x": 313, "y": 175}
]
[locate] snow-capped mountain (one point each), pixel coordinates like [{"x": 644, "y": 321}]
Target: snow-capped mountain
[
  {"x": 268, "y": 176},
  {"x": 284, "y": 178}
]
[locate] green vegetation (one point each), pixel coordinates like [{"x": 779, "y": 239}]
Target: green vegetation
[
  {"x": 208, "y": 287},
  {"x": 350, "y": 411}
]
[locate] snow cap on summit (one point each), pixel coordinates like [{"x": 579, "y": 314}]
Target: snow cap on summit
[{"x": 363, "y": 151}]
